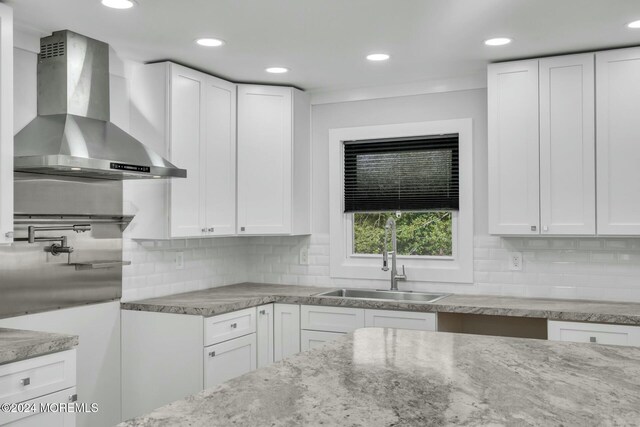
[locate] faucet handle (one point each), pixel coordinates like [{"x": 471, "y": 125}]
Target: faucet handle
[{"x": 402, "y": 276}]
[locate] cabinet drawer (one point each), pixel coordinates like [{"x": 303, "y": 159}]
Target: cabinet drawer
[
  {"x": 315, "y": 339},
  {"x": 331, "y": 319},
  {"x": 230, "y": 325},
  {"x": 228, "y": 360},
  {"x": 27, "y": 379},
  {"x": 400, "y": 320},
  {"x": 594, "y": 332},
  {"x": 39, "y": 419}
]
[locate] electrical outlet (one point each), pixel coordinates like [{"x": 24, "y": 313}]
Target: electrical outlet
[
  {"x": 179, "y": 260},
  {"x": 515, "y": 261},
  {"x": 304, "y": 256}
]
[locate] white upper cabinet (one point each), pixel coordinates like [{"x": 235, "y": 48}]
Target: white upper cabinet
[
  {"x": 513, "y": 148},
  {"x": 6, "y": 124},
  {"x": 618, "y": 141},
  {"x": 273, "y": 160},
  {"x": 189, "y": 117},
  {"x": 542, "y": 147},
  {"x": 567, "y": 145}
]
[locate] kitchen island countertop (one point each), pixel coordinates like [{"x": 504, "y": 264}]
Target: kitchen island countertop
[{"x": 384, "y": 377}]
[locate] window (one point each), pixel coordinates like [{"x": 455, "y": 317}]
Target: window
[
  {"x": 419, "y": 171},
  {"x": 418, "y": 233}
]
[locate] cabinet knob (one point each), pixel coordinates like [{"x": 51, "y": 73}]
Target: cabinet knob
[
  {"x": 234, "y": 325},
  {"x": 25, "y": 381},
  {"x": 73, "y": 398},
  {"x": 263, "y": 312},
  {"x": 534, "y": 227},
  {"x": 592, "y": 339},
  {"x": 212, "y": 354},
  {"x": 211, "y": 229},
  {"x": 241, "y": 228},
  {"x": 204, "y": 230},
  {"x": 9, "y": 234},
  {"x": 545, "y": 228}
]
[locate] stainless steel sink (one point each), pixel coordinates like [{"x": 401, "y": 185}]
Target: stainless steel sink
[{"x": 384, "y": 295}]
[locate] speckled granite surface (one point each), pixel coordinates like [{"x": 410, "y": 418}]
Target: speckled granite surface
[
  {"x": 392, "y": 377},
  {"x": 224, "y": 299},
  {"x": 17, "y": 344}
]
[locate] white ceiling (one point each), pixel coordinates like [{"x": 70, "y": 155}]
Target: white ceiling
[{"x": 324, "y": 42}]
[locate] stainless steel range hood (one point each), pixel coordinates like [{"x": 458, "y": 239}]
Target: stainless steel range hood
[{"x": 72, "y": 135}]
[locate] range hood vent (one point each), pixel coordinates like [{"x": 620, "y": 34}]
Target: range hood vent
[{"x": 72, "y": 134}]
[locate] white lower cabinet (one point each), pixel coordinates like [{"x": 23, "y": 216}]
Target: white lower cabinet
[
  {"x": 400, "y": 320},
  {"x": 41, "y": 380},
  {"x": 314, "y": 339},
  {"x": 286, "y": 325},
  {"x": 36, "y": 418},
  {"x": 264, "y": 335},
  {"x": 594, "y": 332},
  {"x": 229, "y": 359},
  {"x": 331, "y": 319},
  {"x": 320, "y": 324}
]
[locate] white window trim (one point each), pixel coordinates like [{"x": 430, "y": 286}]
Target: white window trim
[{"x": 457, "y": 269}]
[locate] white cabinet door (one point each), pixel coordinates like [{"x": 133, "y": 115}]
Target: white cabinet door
[
  {"x": 400, "y": 320},
  {"x": 264, "y": 159},
  {"x": 36, "y": 418},
  {"x": 219, "y": 154},
  {"x": 315, "y": 339},
  {"x": 229, "y": 359},
  {"x": 513, "y": 148},
  {"x": 598, "y": 333},
  {"x": 286, "y": 325},
  {"x": 187, "y": 115},
  {"x": 331, "y": 319},
  {"x": 567, "y": 145},
  {"x": 264, "y": 332},
  {"x": 6, "y": 124},
  {"x": 618, "y": 149}
]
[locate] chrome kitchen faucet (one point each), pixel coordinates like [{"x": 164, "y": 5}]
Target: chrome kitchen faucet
[{"x": 391, "y": 225}]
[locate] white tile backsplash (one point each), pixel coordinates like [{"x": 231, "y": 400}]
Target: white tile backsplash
[{"x": 606, "y": 269}]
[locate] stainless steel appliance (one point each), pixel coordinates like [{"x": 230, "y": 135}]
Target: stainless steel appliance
[{"x": 72, "y": 134}]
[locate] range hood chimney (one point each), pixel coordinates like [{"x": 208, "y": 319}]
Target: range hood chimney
[{"x": 72, "y": 134}]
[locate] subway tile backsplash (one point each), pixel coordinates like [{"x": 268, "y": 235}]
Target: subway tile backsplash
[{"x": 600, "y": 269}]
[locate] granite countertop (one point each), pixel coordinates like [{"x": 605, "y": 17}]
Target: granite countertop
[
  {"x": 384, "y": 377},
  {"x": 224, "y": 299},
  {"x": 18, "y": 344}
]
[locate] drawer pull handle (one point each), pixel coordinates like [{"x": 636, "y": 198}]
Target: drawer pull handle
[
  {"x": 73, "y": 398},
  {"x": 592, "y": 339},
  {"x": 234, "y": 325},
  {"x": 263, "y": 312},
  {"x": 25, "y": 381},
  {"x": 212, "y": 354}
]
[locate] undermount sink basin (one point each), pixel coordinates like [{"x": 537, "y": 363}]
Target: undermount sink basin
[{"x": 384, "y": 295}]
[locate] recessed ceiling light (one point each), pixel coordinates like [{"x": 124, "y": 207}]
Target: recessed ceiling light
[
  {"x": 277, "y": 70},
  {"x": 498, "y": 41},
  {"x": 118, "y": 4},
  {"x": 378, "y": 57},
  {"x": 634, "y": 24},
  {"x": 209, "y": 42}
]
